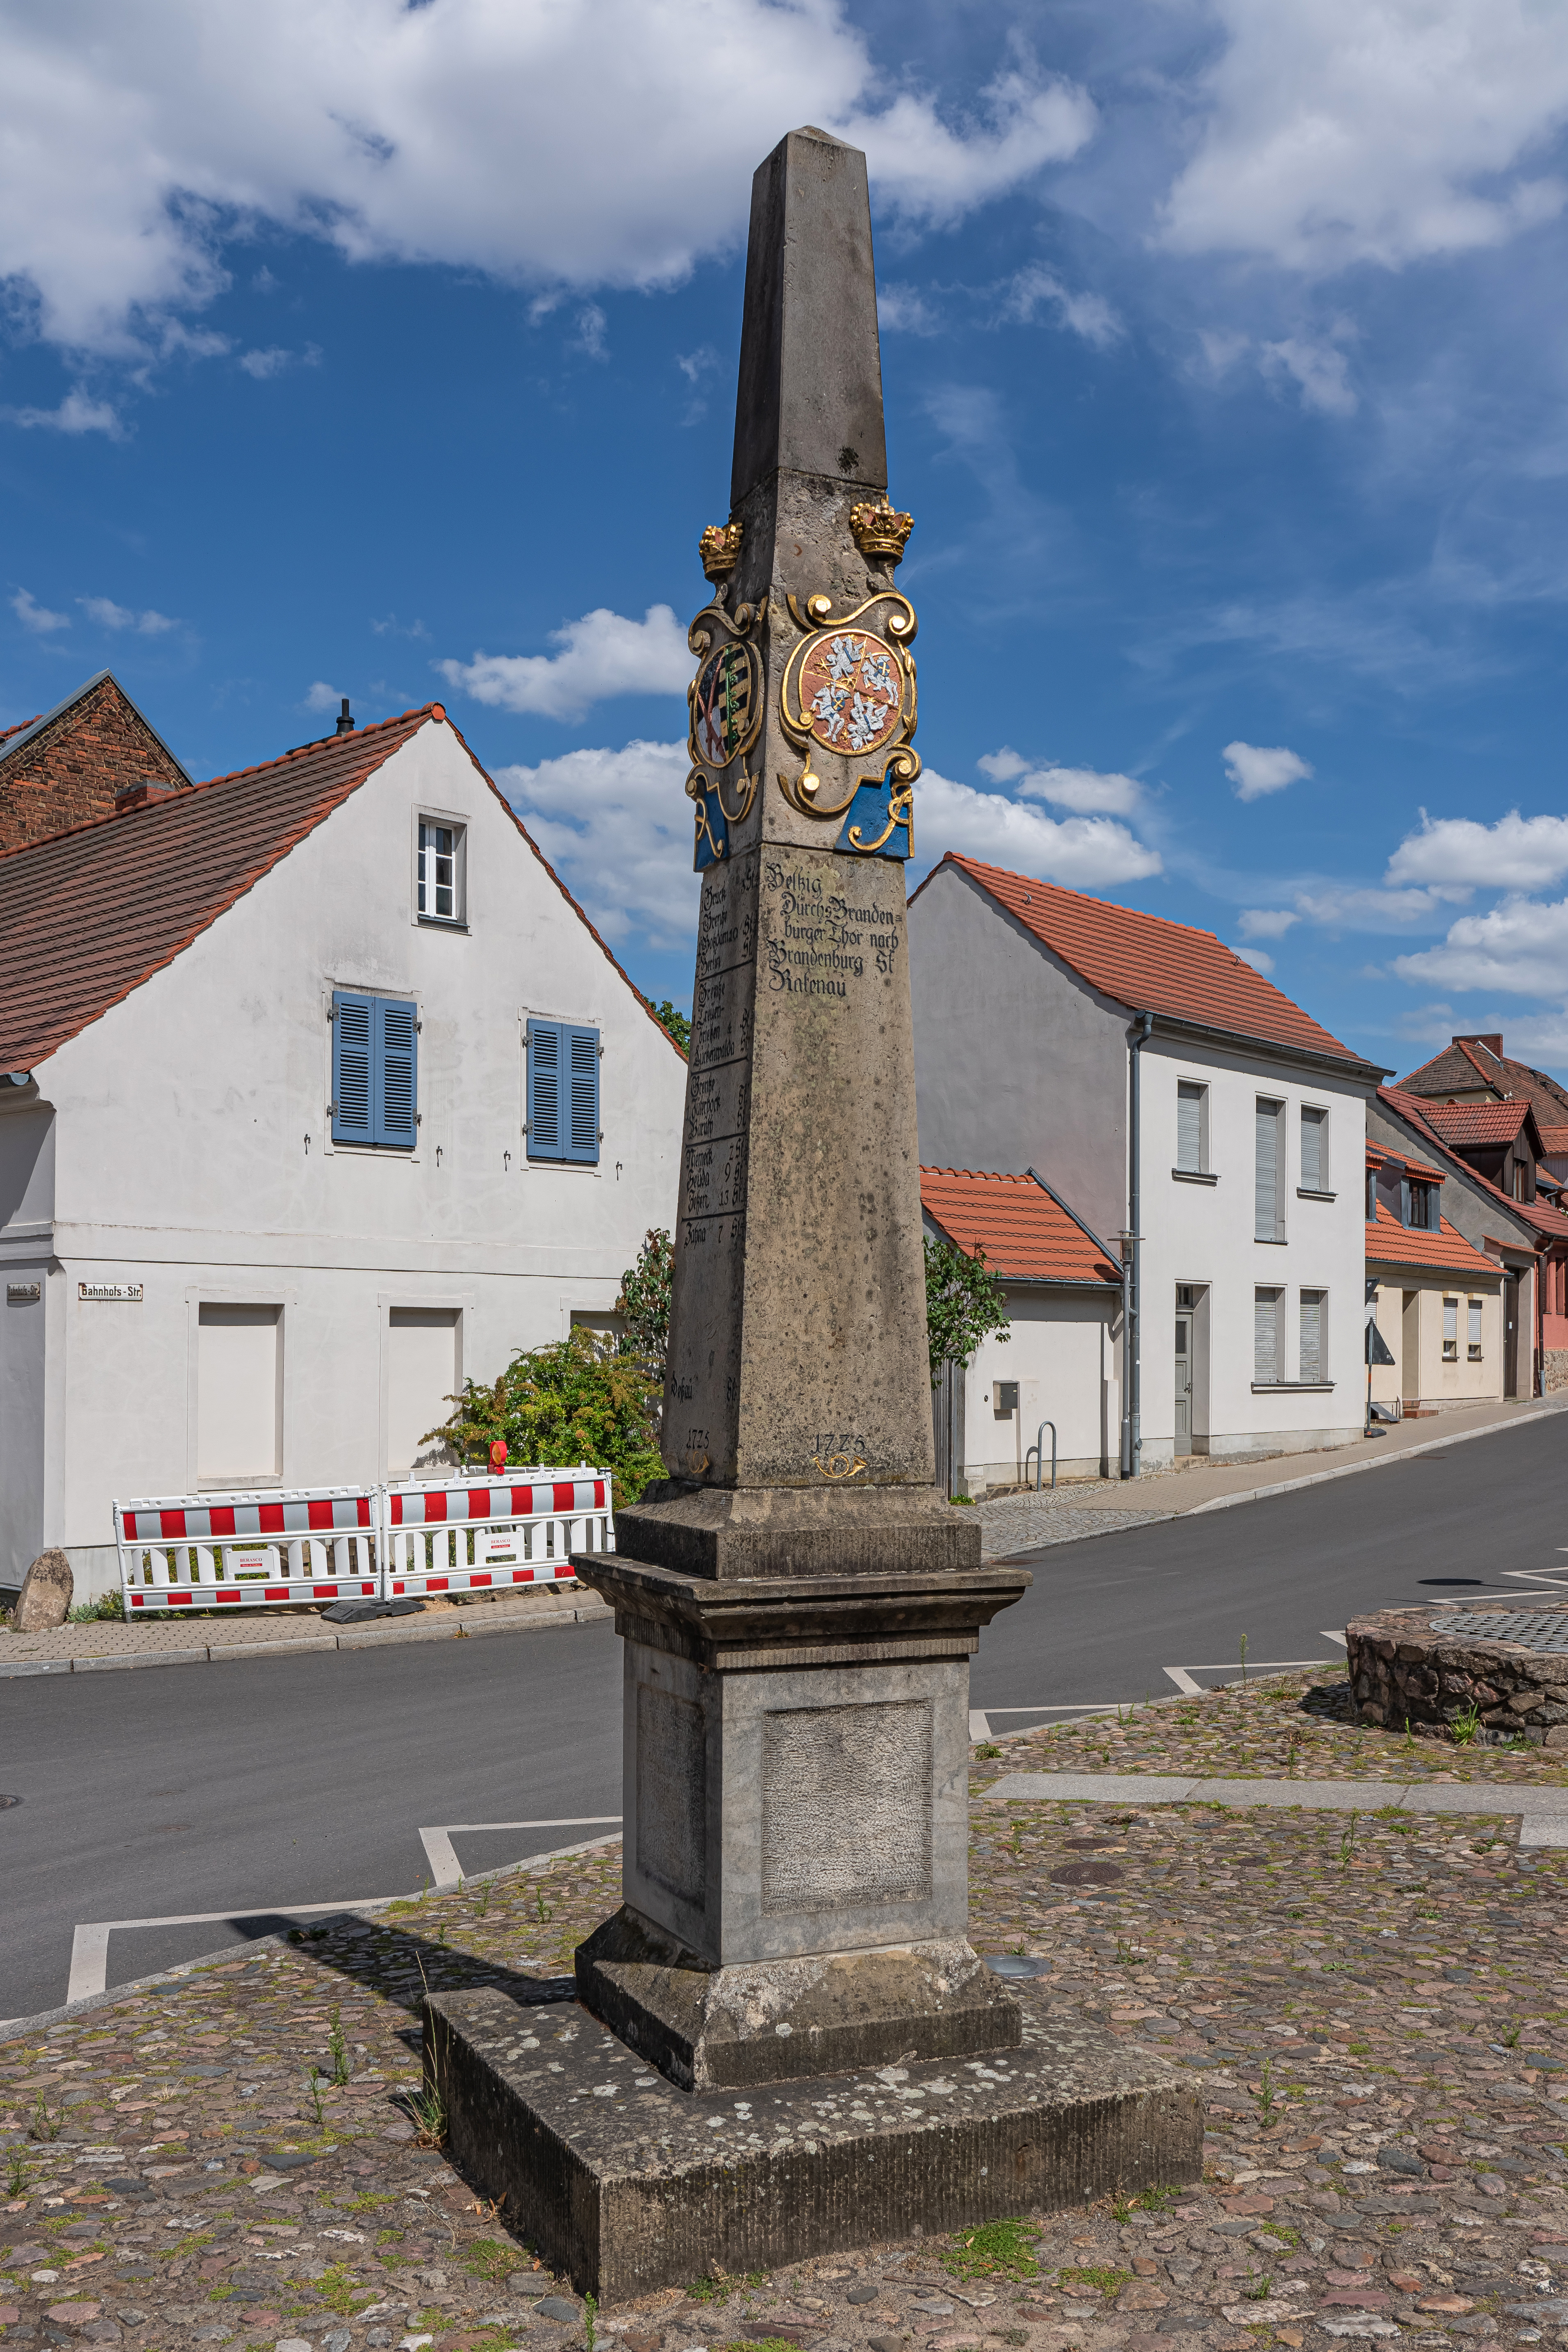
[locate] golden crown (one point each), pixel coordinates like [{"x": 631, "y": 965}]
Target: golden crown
[
  {"x": 720, "y": 548},
  {"x": 879, "y": 530}
]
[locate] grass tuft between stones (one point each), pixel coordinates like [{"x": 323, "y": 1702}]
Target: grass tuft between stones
[{"x": 993, "y": 2250}]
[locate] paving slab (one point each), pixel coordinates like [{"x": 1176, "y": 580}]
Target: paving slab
[{"x": 1319, "y": 1796}]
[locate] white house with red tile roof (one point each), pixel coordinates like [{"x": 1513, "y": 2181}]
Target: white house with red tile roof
[
  {"x": 1058, "y": 1362},
  {"x": 1175, "y": 1096},
  {"x": 320, "y": 1095},
  {"x": 1438, "y": 1299}
]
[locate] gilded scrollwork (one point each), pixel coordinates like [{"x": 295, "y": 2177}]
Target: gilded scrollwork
[{"x": 848, "y": 685}]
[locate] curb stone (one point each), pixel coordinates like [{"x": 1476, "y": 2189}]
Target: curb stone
[{"x": 367, "y": 1637}]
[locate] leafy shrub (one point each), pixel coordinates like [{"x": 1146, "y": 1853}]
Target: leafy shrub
[{"x": 574, "y": 1400}]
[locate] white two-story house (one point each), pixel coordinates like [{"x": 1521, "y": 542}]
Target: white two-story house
[
  {"x": 1190, "y": 1115},
  {"x": 320, "y": 1094}
]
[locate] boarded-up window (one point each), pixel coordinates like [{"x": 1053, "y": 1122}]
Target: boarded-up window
[
  {"x": 239, "y": 1393},
  {"x": 1190, "y": 1128},
  {"x": 1315, "y": 1149},
  {"x": 1266, "y": 1351},
  {"x": 421, "y": 1374},
  {"x": 1314, "y": 1316},
  {"x": 1270, "y": 1219}
]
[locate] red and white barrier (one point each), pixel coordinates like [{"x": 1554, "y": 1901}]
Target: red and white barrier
[
  {"x": 462, "y": 1535},
  {"x": 262, "y": 1549}
]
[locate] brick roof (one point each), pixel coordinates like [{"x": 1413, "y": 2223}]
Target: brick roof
[
  {"x": 1553, "y": 1139},
  {"x": 1469, "y": 1062},
  {"x": 1150, "y": 964},
  {"x": 89, "y": 915},
  {"x": 1390, "y": 1243},
  {"x": 1025, "y": 1235},
  {"x": 1467, "y": 1123},
  {"x": 1549, "y": 1224}
]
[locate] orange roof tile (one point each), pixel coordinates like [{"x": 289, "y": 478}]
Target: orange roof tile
[
  {"x": 1554, "y": 1139},
  {"x": 1390, "y": 1243},
  {"x": 1025, "y": 1235},
  {"x": 1472, "y": 1123},
  {"x": 1150, "y": 964},
  {"x": 1378, "y": 1156},
  {"x": 87, "y": 915},
  {"x": 1414, "y": 1111}
]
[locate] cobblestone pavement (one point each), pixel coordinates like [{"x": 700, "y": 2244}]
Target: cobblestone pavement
[
  {"x": 1015, "y": 1523},
  {"x": 1376, "y": 2011}
]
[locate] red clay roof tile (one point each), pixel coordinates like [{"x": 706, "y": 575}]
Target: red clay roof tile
[
  {"x": 1148, "y": 963},
  {"x": 1022, "y": 1230},
  {"x": 1472, "y": 1123},
  {"x": 1390, "y": 1243}
]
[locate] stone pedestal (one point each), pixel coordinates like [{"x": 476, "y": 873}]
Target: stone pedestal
[
  {"x": 627, "y": 2185},
  {"x": 797, "y": 1765}
]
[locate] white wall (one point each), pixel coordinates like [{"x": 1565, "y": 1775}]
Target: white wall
[
  {"x": 1203, "y": 1235},
  {"x": 1063, "y": 1351},
  {"x": 193, "y": 1155}
]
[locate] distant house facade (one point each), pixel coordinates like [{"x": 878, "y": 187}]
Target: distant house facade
[
  {"x": 322, "y": 1094},
  {"x": 1521, "y": 1230},
  {"x": 1166, "y": 1091},
  {"x": 1437, "y": 1301},
  {"x": 93, "y": 753},
  {"x": 1475, "y": 1069},
  {"x": 1059, "y": 1360}
]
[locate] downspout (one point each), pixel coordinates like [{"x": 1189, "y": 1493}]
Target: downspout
[
  {"x": 1113, "y": 1257},
  {"x": 1132, "y": 1416}
]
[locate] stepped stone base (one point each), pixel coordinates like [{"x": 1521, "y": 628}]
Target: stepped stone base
[
  {"x": 627, "y": 2185},
  {"x": 710, "y": 2029},
  {"x": 787, "y": 1531}
]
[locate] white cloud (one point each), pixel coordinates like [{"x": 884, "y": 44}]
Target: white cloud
[
  {"x": 393, "y": 627},
  {"x": 1319, "y": 368},
  {"x": 76, "y": 413},
  {"x": 1256, "y": 957},
  {"x": 1351, "y": 909},
  {"x": 590, "y": 337},
  {"x": 133, "y": 140},
  {"x": 1003, "y": 765},
  {"x": 1520, "y": 947},
  {"x": 1084, "y": 852},
  {"x": 601, "y": 654},
  {"x": 275, "y": 358},
  {"x": 1089, "y": 315},
  {"x": 322, "y": 697},
  {"x": 1516, "y": 853},
  {"x": 1085, "y": 791},
  {"x": 617, "y": 827},
  {"x": 1255, "y": 771},
  {"x": 110, "y": 615},
  {"x": 904, "y": 311},
  {"x": 1372, "y": 130},
  {"x": 1267, "y": 923},
  {"x": 35, "y": 616}
]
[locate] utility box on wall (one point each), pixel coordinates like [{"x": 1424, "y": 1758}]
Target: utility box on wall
[{"x": 1004, "y": 1398}]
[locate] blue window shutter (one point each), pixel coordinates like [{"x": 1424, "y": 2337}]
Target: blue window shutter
[
  {"x": 583, "y": 1062},
  {"x": 353, "y": 1053},
  {"x": 545, "y": 1040},
  {"x": 394, "y": 1094}
]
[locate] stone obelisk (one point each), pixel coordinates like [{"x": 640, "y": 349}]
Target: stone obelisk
[
  {"x": 797, "y": 1600},
  {"x": 790, "y": 2045}
]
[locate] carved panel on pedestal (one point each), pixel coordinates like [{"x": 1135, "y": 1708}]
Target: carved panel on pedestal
[
  {"x": 847, "y": 1806},
  {"x": 672, "y": 1794}
]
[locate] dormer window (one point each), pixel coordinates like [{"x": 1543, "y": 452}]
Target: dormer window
[
  {"x": 1421, "y": 1214},
  {"x": 440, "y": 871}
]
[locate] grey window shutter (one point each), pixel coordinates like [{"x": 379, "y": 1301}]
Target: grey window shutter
[
  {"x": 1267, "y": 1226},
  {"x": 1312, "y": 1150},
  {"x": 394, "y": 1089},
  {"x": 582, "y": 1094},
  {"x": 544, "y": 1041},
  {"x": 1266, "y": 1335},
  {"x": 1475, "y": 1320},
  {"x": 353, "y": 1023},
  {"x": 1312, "y": 1335},
  {"x": 1189, "y": 1128}
]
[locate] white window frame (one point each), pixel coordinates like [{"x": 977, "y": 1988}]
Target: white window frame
[
  {"x": 1276, "y": 1104},
  {"x": 425, "y": 814},
  {"x": 1450, "y": 1335},
  {"x": 1323, "y": 1189},
  {"x": 1475, "y": 1322},
  {"x": 1319, "y": 1379},
  {"x": 1202, "y": 1174},
  {"x": 1276, "y": 1291}
]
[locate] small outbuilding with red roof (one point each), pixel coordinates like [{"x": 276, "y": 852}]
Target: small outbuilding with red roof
[
  {"x": 1192, "y": 1114},
  {"x": 320, "y": 1095}
]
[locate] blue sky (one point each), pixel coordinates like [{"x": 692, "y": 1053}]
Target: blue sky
[{"x": 357, "y": 347}]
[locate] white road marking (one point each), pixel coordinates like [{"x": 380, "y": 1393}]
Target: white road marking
[
  {"x": 1183, "y": 1682},
  {"x": 1329, "y": 1634},
  {"x": 979, "y": 1729},
  {"x": 445, "y": 1871}
]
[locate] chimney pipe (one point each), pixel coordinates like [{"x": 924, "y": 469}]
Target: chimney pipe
[{"x": 345, "y": 724}]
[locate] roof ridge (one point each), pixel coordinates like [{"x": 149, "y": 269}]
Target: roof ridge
[
  {"x": 1113, "y": 906},
  {"x": 298, "y": 751}
]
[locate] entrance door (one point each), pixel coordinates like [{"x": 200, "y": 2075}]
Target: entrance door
[
  {"x": 1184, "y": 1368},
  {"x": 1410, "y": 1348},
  {"x": 1511, "y": 1348}
]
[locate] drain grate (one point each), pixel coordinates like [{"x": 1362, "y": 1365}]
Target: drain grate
[{"x": 1545, "y": 1629}]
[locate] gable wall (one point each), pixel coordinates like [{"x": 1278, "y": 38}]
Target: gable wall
[{"x": 69, "y": 773}]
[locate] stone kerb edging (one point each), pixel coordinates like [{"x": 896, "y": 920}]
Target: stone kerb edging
[{"x": 1430, "y": 1668}]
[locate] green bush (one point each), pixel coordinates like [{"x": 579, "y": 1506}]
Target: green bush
[{"x": 573, "y": 1401}]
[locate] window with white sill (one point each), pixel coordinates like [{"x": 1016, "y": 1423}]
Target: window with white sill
[
  {"x": 440, "y": 875},
  {"x": 1191, "y": 1128},
  {"x": 1268, "y": 1223},
  {"x": 1268, "y": 1334},
  {"x": 1314, "y": 1335},
  {"x": 1314, "y": 1148}
]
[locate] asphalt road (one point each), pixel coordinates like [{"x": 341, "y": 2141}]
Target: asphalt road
[{"x": 254, "y": 1787}]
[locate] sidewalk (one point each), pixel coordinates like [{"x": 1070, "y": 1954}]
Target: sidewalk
[
  {"x": 186, "y": 1640},
  {"x": 1018, "y": 1522},
  {"x": 1368, "y": 2007}
]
